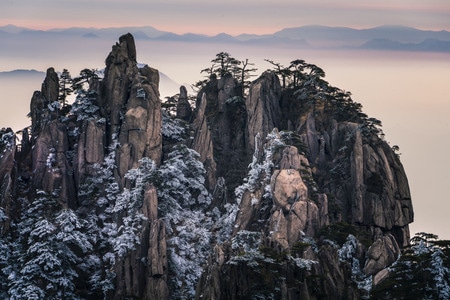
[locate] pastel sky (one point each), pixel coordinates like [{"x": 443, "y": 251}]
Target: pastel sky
[{"x": 231, "y": 16}]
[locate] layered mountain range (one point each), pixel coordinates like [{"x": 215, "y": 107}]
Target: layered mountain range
[
  {"x": 279, "y": 188},
  {"x": 393, "y": 38}
]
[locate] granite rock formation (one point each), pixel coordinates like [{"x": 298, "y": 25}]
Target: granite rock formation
[{"x": 297, "y": 199}]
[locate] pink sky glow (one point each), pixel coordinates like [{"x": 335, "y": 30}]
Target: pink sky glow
[{"x": 233, "y": 17}]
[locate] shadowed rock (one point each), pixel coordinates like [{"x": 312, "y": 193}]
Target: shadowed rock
[
  {"x": 202, "y": 143},
  {"x": 184, "y": 110},
  {"x": 263, "y": 110}
]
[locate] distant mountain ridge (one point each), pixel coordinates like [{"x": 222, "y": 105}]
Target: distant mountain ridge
[
  {"x": 311, "y": 36},
  {"x": 22, "y": 72}
]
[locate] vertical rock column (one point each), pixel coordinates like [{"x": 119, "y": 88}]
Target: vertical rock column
[
  {"x": 132, "y": 108},
  {"x": 51, "y": 169},
  {"x": 202, "y": 142},
  {"x": 263, "y": 107},
  {"x": 130, "y": 98}
]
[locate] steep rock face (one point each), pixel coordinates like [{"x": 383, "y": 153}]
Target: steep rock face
[
  {"x": 226, "y": 118},
  {"x": 68, "y": 157},
  {"x": 50, "y": 86},
  {"x": 91, "y": 149},
  {"x": 320, "y": 212},
  {"x": 149, "y": 280},
  {"x": 120, "y": 70},
  {"x": 133, "y": 113},
  {"x": 263, "y": 110},
  {"x": 51, "y": 169},
  {"x": 130, "y": 99},
  {"x": 372, "y": 177},
  {"x": 184, "y": 110},
  {"x": 202, "y": 142},
  {"x": 140, "y": 131},
  {"x": 346, "y": 181},
  {"x": 39, "y": 112}
]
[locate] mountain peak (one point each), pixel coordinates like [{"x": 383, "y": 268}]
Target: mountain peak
[{"x": 164, "y": 200}]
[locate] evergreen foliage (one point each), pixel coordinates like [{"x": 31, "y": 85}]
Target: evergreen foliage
[
  {"x": 51, "y": 252},
  {"x": 65, "y": 86},
  {"x": 184, "y": 203},
  {"x": 224, "y": 64},
  {"x": 127, "y": 207},
  {"x": 50, "y": 246},
  {"x": 421, "y": 272},
  {"x": 85, "y": 79},
  {"x": 85, "y": 106}
]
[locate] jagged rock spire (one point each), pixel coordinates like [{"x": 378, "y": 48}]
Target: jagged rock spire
[
  {"x": 263, "y": 110},
  {"x": 184, "y": 110},
  {"x": 130, "y": 98}
]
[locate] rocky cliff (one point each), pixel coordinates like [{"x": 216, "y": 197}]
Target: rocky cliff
[{"x": 285, "y": 193}]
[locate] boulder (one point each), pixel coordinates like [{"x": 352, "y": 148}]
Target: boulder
[
  {"x": 303, "y": 220},
  {"x": 381, "y": 254},
  {"x": 287, "y": 187}
]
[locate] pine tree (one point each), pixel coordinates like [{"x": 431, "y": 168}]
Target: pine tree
[
  {"x": 48, "y": 252},
  {"x": 421, "y": 272},
  {"x": 87, "y": 76},
  {"x": 5, "y": 256},
  {"x": 184, "y": 203},
  {"x": 65, "y": 86},
  {"x": 127, "y": 207}
]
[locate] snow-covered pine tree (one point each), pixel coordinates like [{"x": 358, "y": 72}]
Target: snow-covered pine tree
[
  {"x": 421, "y": 272},
  {"x": 4, "y": 256},
  {"x": 127, "y": 207},
  {"x": 183, "y": 203},
  {"x": 51, "y": 245},
  {"x": 102, "y": 190}
]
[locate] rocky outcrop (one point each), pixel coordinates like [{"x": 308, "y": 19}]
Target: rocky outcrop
[
  {"x": 140, "y": 133},
  {"x": 263, "y": 110},
  {"x": 131, "y": 103},
  {"x": 50, "y": 86},
  {"x": 381, "y": 254},
  {"x": 287, "y": 188},
  {"x": 130, "y": 96},
  {"x": 149, "y": 280},
  {"x": 226, "y": 118},
  {"x": 40, "y": 111},
  {"x": 184, "y": 110},
  {"x": 67, "y": 154},
  {"x": 120, "y": 70},
  {"x": 202, "y": 142},
  {"x": 91, "y": 149},
  {"x": 319, "y": 212},
  {"x": 51, "y": 169},
  {"x": 344, "y": 174}
]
